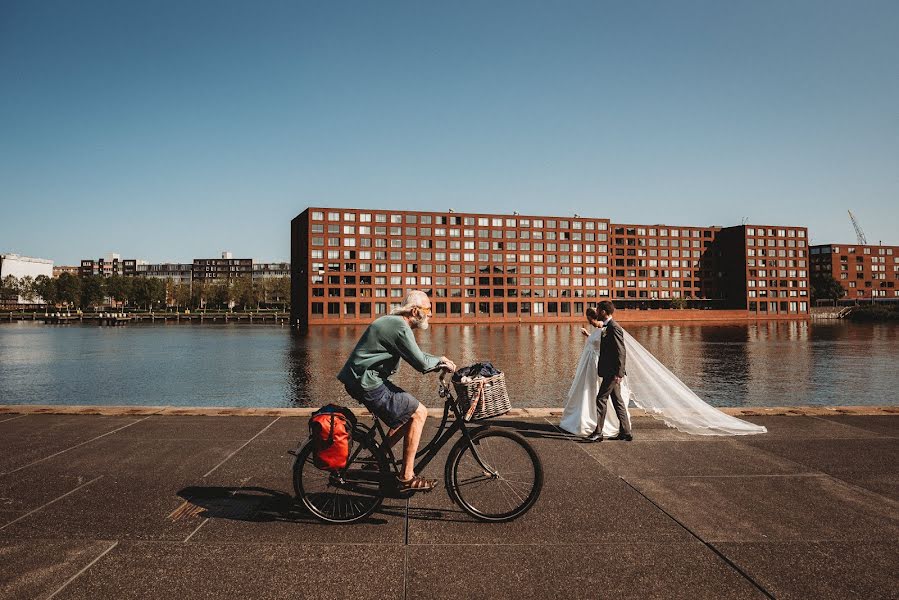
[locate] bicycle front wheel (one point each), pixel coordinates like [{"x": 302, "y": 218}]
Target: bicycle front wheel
[
  {"x": 501, "y": 486},
  {"x": 343, "y": 496}
]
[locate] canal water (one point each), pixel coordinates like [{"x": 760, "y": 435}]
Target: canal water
[{"x": 740, "y": 365}]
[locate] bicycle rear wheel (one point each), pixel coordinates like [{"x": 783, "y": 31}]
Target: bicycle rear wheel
[
  {"x": 509, "y": 485},
  {"x": 343, "y": 496}
]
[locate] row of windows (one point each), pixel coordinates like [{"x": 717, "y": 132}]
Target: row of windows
[
  {"x": 760, "y": 231},
  {"x": 663, "y": 232},
  {"x": 778, "y": 307},
  {"x": 460, "y": 220},
  {"x": 853, "y": 250},
  {"x": 777, "y": 293},
  {"x": 786, "y": 283},
  {"x": 663, "y": 243},
  {"x": 439, "y": 232},
  {"x": 459, "y": 309},
  {"x": 496, "y": 257},
  {"x": 778, "y": 243}
]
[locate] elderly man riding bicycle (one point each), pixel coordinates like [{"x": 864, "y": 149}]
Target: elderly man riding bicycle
[{"x": 375, "y": 358}]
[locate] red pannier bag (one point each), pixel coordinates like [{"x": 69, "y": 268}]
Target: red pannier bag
[{"x": 331, "y": 431}]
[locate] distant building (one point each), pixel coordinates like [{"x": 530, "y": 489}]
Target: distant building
[
  {"x": 270, "y": 270},
  {"x": 174, "y": 272},
  {"x": 25, "y": 266},
  {"x": 350, "y": 265},
  {"x": 866, "y": 272},
  {"x": 224, "y": 268},
  {"x": 111, "y": 264},
  {"x": 765, "y": 269},
  {"x": 71, "y": 270}
]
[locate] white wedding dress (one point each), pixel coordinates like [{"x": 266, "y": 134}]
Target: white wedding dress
[{"x": 652, "y": 387}]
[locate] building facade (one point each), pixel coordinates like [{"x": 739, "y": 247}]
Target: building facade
[
  {"x": 111, "y": 264},
  {"x": 205, "y": 270},
  {"x": 765, "y": 269},
  {"x": 350, "y": 265},
  {"x": 270, "y": 270},
  {"x": 866, "y": 272},
  {"x": 174, "y": 272},
  {"x": 70, "y": 269},
  {"x": 24, "y": 266}
]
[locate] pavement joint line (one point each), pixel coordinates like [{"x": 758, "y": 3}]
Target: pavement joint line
[
  {"x": 28, "y": 514},
  {"x": 865, "y": 431},
  {"x": 40, "y": 460},
  {"x": 239, "y": 449},
  {"x": 708, "y": 545},
  {"x": 79, "y": 573},
  {"x": 685, "y": 528},
  {"x": 13, "y": 418},
  {"x": 405, "y": 570},
  {"x": 187, "y": 539}
]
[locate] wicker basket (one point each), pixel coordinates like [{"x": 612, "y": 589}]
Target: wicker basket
[{"x": 484, "y": 397}]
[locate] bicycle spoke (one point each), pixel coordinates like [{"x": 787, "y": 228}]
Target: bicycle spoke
[{"x": 501, "y": 481}]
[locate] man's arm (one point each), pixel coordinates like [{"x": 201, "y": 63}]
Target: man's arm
[
  {"x": 412, "y": 354},
  {"x": 622, "y": 353}
]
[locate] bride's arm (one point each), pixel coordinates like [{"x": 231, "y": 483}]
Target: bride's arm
[{"x": 585, "y": 332}]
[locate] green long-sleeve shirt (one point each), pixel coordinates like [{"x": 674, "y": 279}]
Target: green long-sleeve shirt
[{"x": 377, "y": 354}]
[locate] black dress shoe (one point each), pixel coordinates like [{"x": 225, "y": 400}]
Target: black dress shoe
[
  {"x": 625, "y": 437},
  {"x": 594, "y": 437}
]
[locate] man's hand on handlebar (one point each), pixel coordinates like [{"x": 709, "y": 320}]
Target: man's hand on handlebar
[{"x": 446, "y": 364}]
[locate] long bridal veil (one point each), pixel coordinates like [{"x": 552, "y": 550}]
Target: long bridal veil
[{"x": 662, "y": 395}]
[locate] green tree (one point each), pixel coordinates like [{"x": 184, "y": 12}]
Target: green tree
[
  {"x": 156, "y": 289},
  {"x": 93, "y": 291},
  {"x": 46, "y": 288},
  {"x": 826, "y": 287},
  {"x": 199, "y": 294},
  {"x": 26, "y": 288},
  {"x": 181, "y": 295},
  {"x": 68, "y": 289},
  {"x": 679, "y": 303},
  {"x": 242, "y": 292},
  {"x": 219, "y": 293},
  {"x": 280, "y": 292},
  {"x": 9, "y": 289},
  {"x": 119, "y": 288}
]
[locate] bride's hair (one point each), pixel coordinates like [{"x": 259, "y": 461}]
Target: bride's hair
[{"x": 591, "y": 313}]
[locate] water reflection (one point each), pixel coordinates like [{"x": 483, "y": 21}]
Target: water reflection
[{"x": 759, "y": 364}]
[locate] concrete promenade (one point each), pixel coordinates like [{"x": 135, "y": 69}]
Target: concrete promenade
[{"x": 144, "y": 503}]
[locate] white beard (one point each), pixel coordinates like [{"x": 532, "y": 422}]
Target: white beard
[{"x": 422, "y": 324}]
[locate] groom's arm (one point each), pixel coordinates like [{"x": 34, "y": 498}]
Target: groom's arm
[{"x": 621, "y": 352}]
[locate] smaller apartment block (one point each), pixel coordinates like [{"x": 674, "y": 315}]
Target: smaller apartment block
[{"x": 865, "y": 272}]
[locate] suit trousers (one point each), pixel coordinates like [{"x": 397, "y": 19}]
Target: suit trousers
[{"x": 609, "y": 388}]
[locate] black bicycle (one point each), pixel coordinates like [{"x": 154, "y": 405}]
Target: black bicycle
[{"x": 492, "y": 474}]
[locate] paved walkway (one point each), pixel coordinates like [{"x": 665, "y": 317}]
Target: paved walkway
[{"x": 157, "y": 506}]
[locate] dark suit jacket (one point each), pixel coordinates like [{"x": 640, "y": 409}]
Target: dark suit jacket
[{"x": 612, "y": 355}]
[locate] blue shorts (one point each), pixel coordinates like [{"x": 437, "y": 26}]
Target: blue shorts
[{"x": 389, "y": 402}]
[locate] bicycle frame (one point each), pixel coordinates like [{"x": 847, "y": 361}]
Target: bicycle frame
[{"x": 429, "y": 452}]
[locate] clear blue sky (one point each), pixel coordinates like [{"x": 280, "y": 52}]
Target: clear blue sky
[{"x": 174, "y": 130}]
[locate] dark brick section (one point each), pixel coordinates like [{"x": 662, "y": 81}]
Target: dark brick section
[{"x": 198, "y": 506}]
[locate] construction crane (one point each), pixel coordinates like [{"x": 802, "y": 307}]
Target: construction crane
[{"x": 859, "y": 234}]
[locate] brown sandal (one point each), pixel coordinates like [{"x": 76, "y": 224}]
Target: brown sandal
[{"x": 416, "y": 484}]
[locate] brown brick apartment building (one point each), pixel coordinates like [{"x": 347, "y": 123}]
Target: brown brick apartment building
[
  {"x": 865, "y": 272},
  {"x": 351, "y": 265}
]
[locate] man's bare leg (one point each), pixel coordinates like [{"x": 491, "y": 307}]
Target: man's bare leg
[{"x": 411, "y": 433}]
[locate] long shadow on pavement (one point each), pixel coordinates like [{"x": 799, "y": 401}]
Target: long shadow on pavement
[{"x": 254, "y": 504}]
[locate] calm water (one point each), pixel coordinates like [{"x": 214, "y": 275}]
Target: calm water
[{"x": 771, "y": 364}]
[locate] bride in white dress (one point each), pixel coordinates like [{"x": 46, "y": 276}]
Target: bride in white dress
[{"x": 652, "y": 387}]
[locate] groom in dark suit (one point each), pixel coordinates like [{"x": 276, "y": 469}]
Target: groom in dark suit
[{"x": 611, "y": 369}]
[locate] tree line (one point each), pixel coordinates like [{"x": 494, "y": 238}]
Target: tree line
[{"x": 94, "y": 291}]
